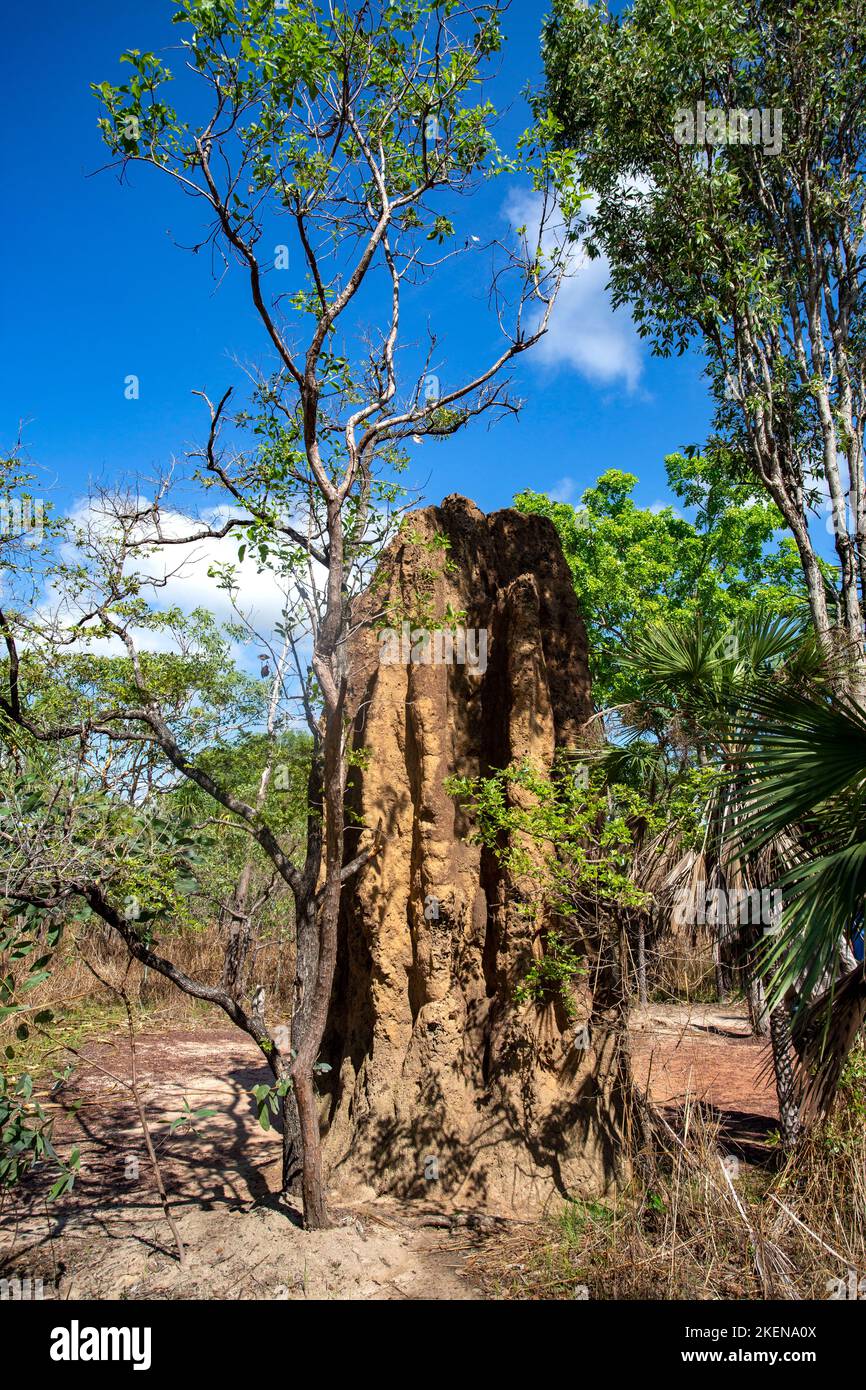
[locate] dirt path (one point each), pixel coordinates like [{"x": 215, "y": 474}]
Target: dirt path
[
  {"x": 109, "y": 1238},
  {"x": 707, "y": 1055}
]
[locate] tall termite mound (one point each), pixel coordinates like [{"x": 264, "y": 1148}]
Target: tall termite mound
[{"x": 441, "y": 1083}]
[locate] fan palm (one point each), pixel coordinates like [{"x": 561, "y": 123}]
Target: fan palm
[
  {"x": 700, "y": 680},
  {"x": 805, "y": 775}
]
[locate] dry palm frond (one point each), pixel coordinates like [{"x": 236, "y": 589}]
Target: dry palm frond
[{"x": 824, "y": 1034}]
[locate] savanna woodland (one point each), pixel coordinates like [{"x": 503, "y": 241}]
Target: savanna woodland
[{"x": 432, "y": 666}]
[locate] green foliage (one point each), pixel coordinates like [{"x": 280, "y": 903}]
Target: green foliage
[
  {"x": 567, "y": 831},
  {"x": 569, "y": 839},
  {"x": 843, "y": 1133},
  {"x": 188, "y": 1117},
  {"x": 805, "y": 776},
  {"x": 701, "y": 674},
  {"x": 26, "y": 1137},
  {"x": 197, "y": 685},
  {"x": 162, "y": 858},
  {"x": 615, "y": 84},
  {"x": 690, "y": 685},
  {"x": 27, "y": 945},
  {"x": 27, "y": 942},
  {"x": 268, "y": 1099},
  {"x": 268, "y": 61},
  {"x": 145, "y": 862},
  {"x": 636, "y": 567},
  {"x": 238, "y": 766},
  {"x": 693, "y": 236},
  {"x": 334, "y": 123},
  {"x": 733, "y": 246},
  {"x": 553, "y": 975}
]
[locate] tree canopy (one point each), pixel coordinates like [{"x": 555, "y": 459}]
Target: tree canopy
[
  {"x": 723, "y": 146},
  {"x": 635, "y": 567}
]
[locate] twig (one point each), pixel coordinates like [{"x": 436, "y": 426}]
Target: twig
[
  {"x": 132, "y": 1085},
  {"x": 808, "y": 1230}
]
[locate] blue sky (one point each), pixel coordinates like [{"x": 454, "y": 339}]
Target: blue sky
[{"x": 95, "y": 288}]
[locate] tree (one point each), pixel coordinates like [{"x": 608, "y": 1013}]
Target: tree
[
  {"x": 636, "y": 567},
  {"x": 352, "y": 137},
  {"x": 724, "y": 148}
]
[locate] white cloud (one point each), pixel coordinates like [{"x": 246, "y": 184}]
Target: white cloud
[
  {"x": 184, "y": 571},
  {"x": 179, "y": 578},
  {"x": 563, "y": 491},
  {"x": 585, "y": 333}
]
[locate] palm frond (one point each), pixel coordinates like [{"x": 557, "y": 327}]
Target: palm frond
[
  {"x": 820, "y": 899},
  {"x": 636, "y": 763},
  {"x": 673, "y": 653},
  {"x": 766, "y": 638},
  {"x": 801, "y": 752}
]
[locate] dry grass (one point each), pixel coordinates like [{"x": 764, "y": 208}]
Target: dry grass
[
  {"x": 86, "y": 1011},
  {"x": 71, "y": 988},
  {"x": 695, "y": 1225},
  {"x": 679, "y": 971}
]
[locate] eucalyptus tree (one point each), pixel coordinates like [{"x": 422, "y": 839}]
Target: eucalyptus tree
[
  {"x": 724, "y": 146},
  {"x": 342, "y": 140}
]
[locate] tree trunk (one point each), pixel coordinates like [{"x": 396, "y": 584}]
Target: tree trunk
[
  {"x": 851, "y": 681},
  {"x": 293, "y": 1147},
  {"x": 239, "y": 935},
  {"x": 318, "y": 935},
  {"x": 641, "y": 961},
  {"x": 783, "y": 1068},
  {"x": 312, "y": 1182},
  {"x": 758, "y": 1014},
  {"x": 719, "y": 969}
]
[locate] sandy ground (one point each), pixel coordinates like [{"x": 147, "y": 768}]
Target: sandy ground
[{"x": 109, "y": 1238}]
